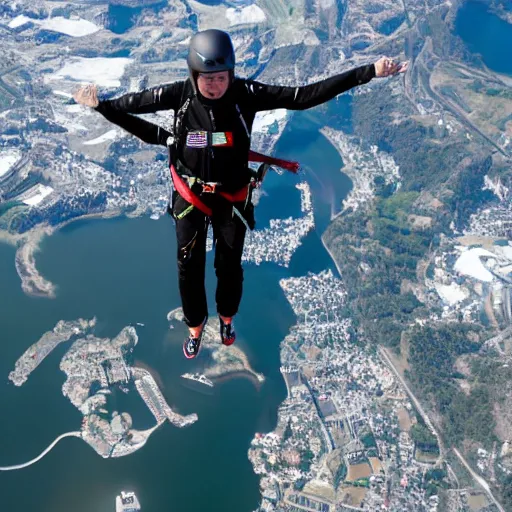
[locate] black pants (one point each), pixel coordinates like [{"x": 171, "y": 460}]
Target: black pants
[{"x": 229, "y": 234}]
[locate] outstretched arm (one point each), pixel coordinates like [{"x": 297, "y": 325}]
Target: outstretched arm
[
  {"x": 162, "y": 97},
  {"x": 144, "y": 130},
  {"x": 268, "y": 97}
]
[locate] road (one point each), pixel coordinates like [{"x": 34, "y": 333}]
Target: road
[
  {"x": 39, "y": 457},
  {"x": 478, "y": 479},
  {"x": 495, "y": 341},
  {"x": 427, "y": 421},
  {"x": 424, "y": 77},
  {"x": 414, "y": 400}
]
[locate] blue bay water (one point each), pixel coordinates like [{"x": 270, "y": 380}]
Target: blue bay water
[
  {"x": 486, "y": 34},
  {"x": 123, "y": 271}
]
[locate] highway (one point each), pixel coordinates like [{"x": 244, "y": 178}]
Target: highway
[
  {"x": 476, "y": 477},
  {"x": 437, "y": 96},
  {"x": 39, "y": 457},
  {"x": 414, "y": 400}
]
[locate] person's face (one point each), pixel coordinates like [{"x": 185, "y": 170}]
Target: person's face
[{"x": 213, "y": 85}]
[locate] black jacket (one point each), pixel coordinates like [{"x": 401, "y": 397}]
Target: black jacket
[{"x": 234, "y": 114}]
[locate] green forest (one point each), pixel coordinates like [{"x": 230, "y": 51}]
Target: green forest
[{"x": 383, "y": 255}]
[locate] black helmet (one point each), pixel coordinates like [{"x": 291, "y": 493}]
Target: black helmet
[{"x": 210, "y": 51}]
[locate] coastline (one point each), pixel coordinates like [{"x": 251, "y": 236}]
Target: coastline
[
  {"x": 324, "y": 243},
  {"x": 8, "y": 238},
  {"x": 362, "y": 167},
  {"x": 32, "y": 282},
  {"x": 245, "y": 374}
]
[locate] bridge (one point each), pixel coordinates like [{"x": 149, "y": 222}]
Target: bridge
[{"x": 39, "y": 457}]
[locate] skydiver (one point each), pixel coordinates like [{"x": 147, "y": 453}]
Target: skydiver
[{"x": 214, "y": 114}]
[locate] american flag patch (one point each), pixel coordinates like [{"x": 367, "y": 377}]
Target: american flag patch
[
  {"x": 197, "y": 139},
  {"x": 222, "y": 139}
]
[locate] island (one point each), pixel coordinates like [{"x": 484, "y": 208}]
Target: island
[
  {"x": 220, "y": 362},
  {"x": 94, "y": 367}
]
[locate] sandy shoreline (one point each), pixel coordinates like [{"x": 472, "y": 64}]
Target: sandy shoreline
[
  {"x": 331, "y": 255},
  {"x": 28, "y": 244},
  {"x": 32, "y": 282},
  {"x": 8, "y": 238},
  {"x": 241, "y": 374}
]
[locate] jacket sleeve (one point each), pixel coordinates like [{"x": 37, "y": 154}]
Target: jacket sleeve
[
  {"x": 144, "y": 130},
  {"x": 162, "y": 97},
  {"x": 268, "y": 97}
]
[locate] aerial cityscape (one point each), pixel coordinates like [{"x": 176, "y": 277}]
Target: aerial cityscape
[
  {"x": 94, "y": 366},
  {"x": 396, "y": 368}
]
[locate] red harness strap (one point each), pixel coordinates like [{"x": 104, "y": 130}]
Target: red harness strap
[
  {"x": 187, "y": 194},
  {"x": 238, "y": 196},
  {"x": 241, "y": 195},
  {"x": 285, "y": 164}
]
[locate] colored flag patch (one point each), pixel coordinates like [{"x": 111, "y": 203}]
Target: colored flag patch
[
  {"x": 197, "y": 139},
  {"x": 222, "y": 139}
]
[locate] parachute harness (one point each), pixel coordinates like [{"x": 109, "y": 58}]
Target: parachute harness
[{"x": 183, "y": 183}]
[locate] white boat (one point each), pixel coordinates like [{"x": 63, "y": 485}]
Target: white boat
[
  {"x": 127, "y": 501},
  {"x": 199, "y": 378}
]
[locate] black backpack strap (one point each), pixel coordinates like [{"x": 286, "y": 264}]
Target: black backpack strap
[
  {"x": 242, "y": 120},
  {"x": 187, "y": 93}
]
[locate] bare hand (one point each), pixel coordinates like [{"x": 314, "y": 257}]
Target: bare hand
[
  {"x": 87, "y": 96},
  {"x": 386, "y": 66}
]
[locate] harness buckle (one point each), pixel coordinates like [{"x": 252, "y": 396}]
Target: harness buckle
[{"x": 209, "y": 188}]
